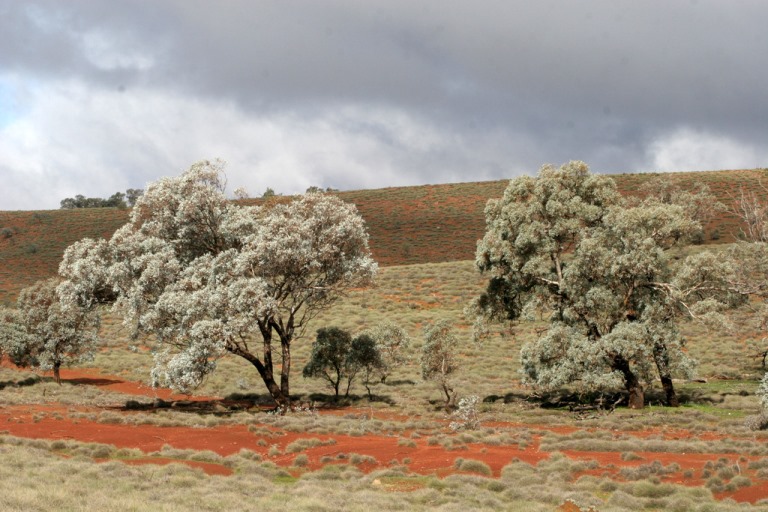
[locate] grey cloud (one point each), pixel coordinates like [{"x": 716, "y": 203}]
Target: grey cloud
[{"x": 507, "y": 85}]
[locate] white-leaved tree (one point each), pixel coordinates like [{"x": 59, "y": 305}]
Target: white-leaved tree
[
  {"x": 567, "y": 246},
  {"x": 209, "y": 277},
  {"x": 46, "y": 333},
  {"x": 392, "y": 343},
  {"x": 750, "y": 276},
  {"x": 438, "y": 357}
]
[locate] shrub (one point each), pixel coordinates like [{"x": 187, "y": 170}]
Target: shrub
[
  {"x": 473, "y": 466},
  {"x": 646, "y": 489},
  {"x": 756, "y": 421},
  {"x": 630, "y": 456},
  {"x": 465, "y": 417}
]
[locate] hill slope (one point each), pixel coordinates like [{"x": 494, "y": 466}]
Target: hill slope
[
  {"x": 437, "y": 223},
  {"x": 407, "y": 225}
]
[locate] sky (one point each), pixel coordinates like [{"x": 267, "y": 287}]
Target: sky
[{"x": 97, "y": 96}]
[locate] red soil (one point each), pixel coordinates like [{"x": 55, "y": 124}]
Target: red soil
[
  {"x": 53, "y": 421},
  {"x": 93, "y": 377}
]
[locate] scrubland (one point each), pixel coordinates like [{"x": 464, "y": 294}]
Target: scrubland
[
  {"x": 106, "y": 440},
  {"x": 95, "y": 442}
]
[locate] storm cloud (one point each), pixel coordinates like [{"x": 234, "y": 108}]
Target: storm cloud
[{"x": 100, "y": 96}]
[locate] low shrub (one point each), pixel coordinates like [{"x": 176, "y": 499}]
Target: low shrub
[{"x": 473, "y": 466}]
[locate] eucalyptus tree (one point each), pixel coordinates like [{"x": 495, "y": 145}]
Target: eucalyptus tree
[
  {"x": 206, "y": 276},
  {"x": 46, "y": 333},
  {"x": 438, "y": 357},
  {"x": 392, "y": 343},
  {"x": 567, "y": 246},
  {"x": 750, "y": 276}
]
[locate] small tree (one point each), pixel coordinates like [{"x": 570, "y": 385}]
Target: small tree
[
  {"x": 132, "y": 195},
  {"x": 753, "y": 213},
  {"x": 13, "y": 333},
  {"x": 330, "y": 358},
  {"x": 47, "y": 334},
  {"x": 364, "y": 355},
  {"x": 392, "y": 343},
  {"x": 749, "y": 276},
  {"x": 438, "y": 357},
  {"x": 338, "y": 359},
  {"x": 466, "y": 417}
]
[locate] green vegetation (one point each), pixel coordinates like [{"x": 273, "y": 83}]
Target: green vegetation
[
  {"x": 338, "y": 359},
  {"x": 116, "y": 200}
]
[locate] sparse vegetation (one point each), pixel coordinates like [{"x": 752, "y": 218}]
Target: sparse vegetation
[{"x": 206, "y": 449}]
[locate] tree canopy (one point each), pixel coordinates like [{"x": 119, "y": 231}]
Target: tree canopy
[
  {"x": 337, "y": 357},
  {"x": 204, "y": 275},
  {"x": 116, "y": 200},
  {"x": 392, "y": 344},
  {"x": 438, "y": 357},
  {"x": 566, "y": 246},
  {"x": 46, "y": 333}
]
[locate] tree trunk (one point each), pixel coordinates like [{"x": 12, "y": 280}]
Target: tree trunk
[
  {"x": 265, "y": 371},
  {"x": 669, "y": 390},
  {"x": 631, "y": 383},
  {"x": 662, "y": 364},
  {"x": 449, "y": 395},
  {"x": 57, "y": 372},
  {"x": 285, "y": 371}
]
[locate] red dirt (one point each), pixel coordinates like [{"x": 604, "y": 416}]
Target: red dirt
[
  {"x": 53, "y": 421},
  {"x": 92, "y": 377}
]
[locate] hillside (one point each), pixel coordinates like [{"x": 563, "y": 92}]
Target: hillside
[{"x": 407, "y": 225}]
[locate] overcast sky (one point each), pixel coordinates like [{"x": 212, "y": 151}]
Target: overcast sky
[{"x": 97, "y": 96}]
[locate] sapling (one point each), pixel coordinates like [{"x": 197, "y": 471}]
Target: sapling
[{"x": 438, "y": 357}]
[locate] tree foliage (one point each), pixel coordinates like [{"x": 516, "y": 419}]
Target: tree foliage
[
  {"x": 116, "y": 200},
  {"x": 753, "y": 213},
  {"x": 339, "y": 359},
  {"x": 438, "y": 357},
  {"x": 392, "y": 343},
  {"x": 567, "y": 246},
  {"x": 330, "y": 358},
  {"x": 204, "y": 275},
  {"x": 45, "y": 333},
  {"x": 749, "y": 276},
  {"x": 366, "y": 356}
]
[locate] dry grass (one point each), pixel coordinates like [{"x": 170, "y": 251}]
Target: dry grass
[
  {"x": 55, "y": 475},
  {"x": 43, "y": 476}
]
